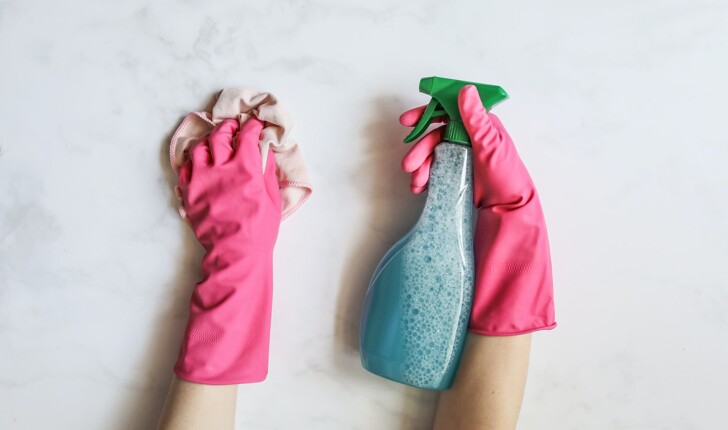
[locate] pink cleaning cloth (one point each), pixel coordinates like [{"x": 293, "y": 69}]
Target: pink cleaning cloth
[{"x": 241, "y": 104}]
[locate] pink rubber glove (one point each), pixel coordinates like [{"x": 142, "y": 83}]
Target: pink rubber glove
[
  {"x": 513, "y": 281},
  {"x": 234, "y": 210}
]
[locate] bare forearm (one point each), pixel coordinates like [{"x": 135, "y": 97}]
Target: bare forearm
[
  {"x": 489, "y": 385},
  {"x": 191, "y": 406}
]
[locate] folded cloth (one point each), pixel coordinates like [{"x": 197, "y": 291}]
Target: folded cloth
[{"x": 241, "y": 104}]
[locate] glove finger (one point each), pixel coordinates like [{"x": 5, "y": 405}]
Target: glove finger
[
  {"x": 417, "y": 190},
  {"x": 499, "y": 126},
  {"x": 184, "y": 174},
  {"x": 475, "y": 117},
  {"x": 420, "y": 177},
  {"x": 421, "y": 150},
  {"x": 412, "y": 116},
  {"x": 247, "y": 151},
  {"x": 221, "y": 141},
  {"x": 200, "y": 155},
  {"x": 271, "y": 180}
]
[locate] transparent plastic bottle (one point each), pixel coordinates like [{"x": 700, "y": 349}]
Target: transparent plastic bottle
[{"x": 418, "y": 303}]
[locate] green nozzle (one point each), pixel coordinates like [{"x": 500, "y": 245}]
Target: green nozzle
[{"x": 444, "y": 102}]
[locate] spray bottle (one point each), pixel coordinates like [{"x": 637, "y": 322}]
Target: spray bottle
[{"x": 418, "y": 303}]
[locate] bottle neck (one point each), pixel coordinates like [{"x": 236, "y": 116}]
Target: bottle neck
[
  {"x": 451, "y": 174},
  {"x": 455, "y": 132}
]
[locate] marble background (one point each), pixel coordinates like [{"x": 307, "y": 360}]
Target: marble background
[{"x": 618, "y": 108}]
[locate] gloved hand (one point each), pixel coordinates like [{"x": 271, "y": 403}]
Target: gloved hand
[
  {"x": 513, "y": 282},
  {"x": 234, "y": 209}
]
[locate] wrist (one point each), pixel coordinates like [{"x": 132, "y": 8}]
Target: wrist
[{"x": 234, "y": 257}]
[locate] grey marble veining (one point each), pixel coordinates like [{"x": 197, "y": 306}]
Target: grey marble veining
[{"x": 618, "y": 109}]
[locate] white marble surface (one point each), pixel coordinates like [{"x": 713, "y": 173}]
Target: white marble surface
[{"x": 618, "y": 108}]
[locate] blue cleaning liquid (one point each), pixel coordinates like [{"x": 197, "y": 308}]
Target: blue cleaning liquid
[{"x": 418, "y": 303}]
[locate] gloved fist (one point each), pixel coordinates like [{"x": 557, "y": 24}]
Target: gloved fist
[{"x": 234, "y": 209}]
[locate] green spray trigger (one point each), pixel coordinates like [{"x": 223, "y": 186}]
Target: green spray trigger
[{"x": 444, "y": 102}]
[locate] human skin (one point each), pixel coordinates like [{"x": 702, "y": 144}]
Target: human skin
[
  {"x": 489, "y": 386},
  {"x": 486, "y": 394},
  {"x": 191, "y": 406}
]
